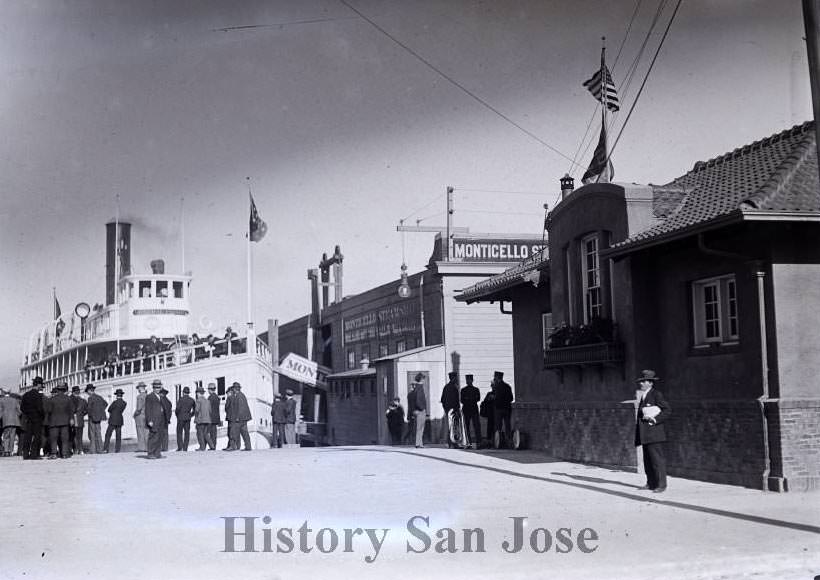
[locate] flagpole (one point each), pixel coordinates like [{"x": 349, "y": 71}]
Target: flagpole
[
  {"x": 605, "y": 172},
  {"x": 117, "y": 275},
  {"x": 182, "y": 230},
  {"x": 250, "y": 344}
]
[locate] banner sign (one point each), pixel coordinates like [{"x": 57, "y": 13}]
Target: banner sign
[
  {"x": 494, "y": 250},
  {"x": 392, "y": 321},
  {"x": 303, "y": 370}
]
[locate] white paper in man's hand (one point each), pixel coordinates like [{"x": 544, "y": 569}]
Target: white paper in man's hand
[{"x": 650, "y": 411}]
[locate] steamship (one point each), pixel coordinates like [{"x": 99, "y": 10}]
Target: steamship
[{"x": 142, "y": 333}]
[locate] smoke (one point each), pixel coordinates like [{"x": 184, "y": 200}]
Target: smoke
[{"x": 147, "y": 230}]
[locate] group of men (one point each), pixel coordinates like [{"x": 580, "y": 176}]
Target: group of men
[
  {"x": 283, "y": 413},
  {"x": 55, "y": 423},
  {"x": 461, "y": 402}
]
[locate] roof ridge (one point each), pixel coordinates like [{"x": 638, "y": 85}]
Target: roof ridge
[
  {"x": 782, "y": 176},
  {"x": 792, "y": 132}
]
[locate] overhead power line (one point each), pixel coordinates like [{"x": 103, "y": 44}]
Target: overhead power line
[{"x": 456, "y": 84}]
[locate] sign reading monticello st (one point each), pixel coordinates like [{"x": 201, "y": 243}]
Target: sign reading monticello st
[
  {"x": 391, "y": 321},
  {"x": 493, "y": 250}
]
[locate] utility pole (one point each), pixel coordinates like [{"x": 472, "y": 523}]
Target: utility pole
[
  {"x": 448, "y": 231},
  {"x": 811, "y": 15}
]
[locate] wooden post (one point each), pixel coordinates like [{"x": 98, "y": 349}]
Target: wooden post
[{"x": 273, "y": 345}]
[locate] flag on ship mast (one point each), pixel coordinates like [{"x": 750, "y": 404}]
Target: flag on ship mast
[
  {"x": 257, "y": 228},
  {"x": 57, "y": 311},
  {"x": 602, "y": 87}
]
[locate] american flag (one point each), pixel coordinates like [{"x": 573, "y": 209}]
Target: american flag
[
  {"x": 600, "y": 169},
  {"x": 258, "y": 228},
  {"x": 594, "y": 86}
]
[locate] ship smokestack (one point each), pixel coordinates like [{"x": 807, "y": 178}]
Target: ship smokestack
[{"x": 116, "y": 243}]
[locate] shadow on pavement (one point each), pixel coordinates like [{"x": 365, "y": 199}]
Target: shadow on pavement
[{"x": 589, "y": 487}]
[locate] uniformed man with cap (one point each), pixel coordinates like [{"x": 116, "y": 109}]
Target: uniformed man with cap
[
  {"x": 216, "y": 420},
  {"x": 155, "y": 420},
  {"x": 80, "y": 408},
  {"x": 139, "y": 418},
  {"x": 115, "y": 421},
  {"x": 96, "y": 415},
  {"x": 470, "y": 397},
  {"x": 184, "y": 413},
  {"x": 33, "y": 414},
  {"x": 238, "y": 416}
]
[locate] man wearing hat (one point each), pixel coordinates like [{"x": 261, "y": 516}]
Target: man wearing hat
[
  {"x": 139, "y": 418},
  {"x": 470, "y": 396},
  {"x": 503, "y": 404},
  {"x": 216, "y": 419},
  {"x": 277, "y": 414},
  {"x": 10, "y": 417},
  {"x": 155, "y": 420},
  {"x": 290, "y": 418},
  {"x": 33, "y": 415},
  {"x": 449, "y": 400},
  {"x": 80, "y": 410},
  {"x": 96, "y": 415},
  {"x": 238, "y": 415},
  {"x": 650, "y": 434},
  {"x": 60, "y": 411},
  {"x": 202, "y": 414},
  {"x": 184, "y": 413},
  {"x": 167, "y": 408},
  {"x": 115, "y": 421}
]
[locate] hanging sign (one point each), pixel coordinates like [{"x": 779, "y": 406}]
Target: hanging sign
[{"x": 303, "y": 370}]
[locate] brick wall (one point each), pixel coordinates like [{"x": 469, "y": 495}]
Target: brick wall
[{"x": 799, "y": 423}]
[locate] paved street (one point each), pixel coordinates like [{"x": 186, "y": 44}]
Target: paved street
[{"x": 120, "y": 516}]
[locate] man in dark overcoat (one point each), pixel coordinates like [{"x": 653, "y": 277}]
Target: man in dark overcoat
[
  {"x": 653, "y": 411},
  {"x": 184, "y": 412},
  {"x": 115, "y": 421},
  {"x": 168, "y": 409},
  {"x": 155, "y": 420},
  {"x": 80, "y": 411},
  {"x": 216, "y": 420},
  {"x": 60, "y": 412},
  {"x": 503, "y": 404},
  {"x": 96, "y": 415},
  {"x": 31, "y": 407},
  {"x": 278, "y": 413},
  {"x": 238, "y": 416},
  {"x": 470, "y": 396},
  {"x": 450, "y": 402}
]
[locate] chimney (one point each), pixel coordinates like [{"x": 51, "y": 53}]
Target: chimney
[
  {"x": 567, "y": 185},
  {"x": 117, "y": 244}
]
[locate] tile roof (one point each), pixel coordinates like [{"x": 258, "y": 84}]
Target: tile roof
[
  {"x": 527, "y": 270},
  {"x": 776, "y": 174}
]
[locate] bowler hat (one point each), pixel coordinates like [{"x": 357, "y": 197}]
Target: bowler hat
[
  {"x": 75, "y": 389},
  {"x": 288, "y": 392},
  {"x": 647, "y": 375},
  {"x": 37, "y": 381},
  {"x": 156, "y": 383},
  {"x": 200, "y": 390},
  {"x": 90, "y": 387},
  {"x": 141, "y": 385},
  {"x": 468, "y": 377},
  {"x": 186, "y": 390},
  {"x": 119, "y": 392}
]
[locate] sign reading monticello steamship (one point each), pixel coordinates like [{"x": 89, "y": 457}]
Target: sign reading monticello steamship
[{"x": 390, "y": 321}]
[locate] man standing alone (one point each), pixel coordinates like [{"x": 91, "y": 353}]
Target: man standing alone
[
  {"x": 278, "y": 416},
  {"x": 450, "y": 402},
  {"x": 115, "y": 421},
  {"x": 184, "y": 412},
  {"x": 417, "y": 404},
  {"x": 650, "y": 434}
]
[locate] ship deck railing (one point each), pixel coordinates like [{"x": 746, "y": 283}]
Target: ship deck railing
[{"x": 177, "y": 356}]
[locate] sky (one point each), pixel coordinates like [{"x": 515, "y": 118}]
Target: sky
[{"x": 348, "y": 116}]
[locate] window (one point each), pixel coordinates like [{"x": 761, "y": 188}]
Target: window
[
  {"x": 591, "y": 278},
  {"x": 145, "y": 288},
  {"x": 547, "y": 328},
  {"x": 373, "y": 387},
  {"x": 383, "y": 350},
  {"x": 714, "y": 302},
  {"x": 177, "y": 289},
  {"x": 401, "y": 346},
  {"x": 220, "y": 386},
  {"x": 162, "y": 288},
  {"x": 351, "y": 358}
]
